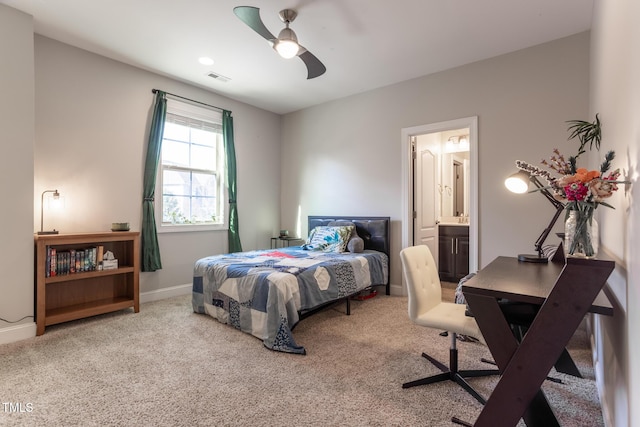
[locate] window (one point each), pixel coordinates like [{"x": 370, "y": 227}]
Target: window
[{"x": 190, "y": 177}]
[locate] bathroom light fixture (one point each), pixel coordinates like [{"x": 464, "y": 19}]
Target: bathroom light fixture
[
  {"x": 451, "y": 146},
  {"x": 519, "y": 183},
  {"x": 457, "y": 144},
  {"x": 56, "y": 196},
  {"x": 463, "y": 140}
]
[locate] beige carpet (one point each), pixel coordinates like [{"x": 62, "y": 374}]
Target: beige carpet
[{"x": 167, "y": 366}]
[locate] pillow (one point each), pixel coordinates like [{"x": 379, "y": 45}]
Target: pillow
[
  {"x": 355, "y": 243},
  {"x": 328, "y": 239}
]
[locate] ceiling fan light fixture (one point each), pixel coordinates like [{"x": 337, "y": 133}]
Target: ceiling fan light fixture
[{"x": 287, "y": 43}]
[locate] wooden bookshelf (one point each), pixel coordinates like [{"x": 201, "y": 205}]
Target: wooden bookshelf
[{"x": 66, "y": 297}]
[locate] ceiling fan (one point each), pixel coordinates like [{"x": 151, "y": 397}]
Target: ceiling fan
[{"x": 286, "y": 44}]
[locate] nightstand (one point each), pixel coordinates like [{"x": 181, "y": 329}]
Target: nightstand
[{"x": 286, "y": 241}]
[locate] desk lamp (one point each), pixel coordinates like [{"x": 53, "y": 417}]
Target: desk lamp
[
  {"x": 56, "y": 196},
  {"x": 519, "y": 183}
]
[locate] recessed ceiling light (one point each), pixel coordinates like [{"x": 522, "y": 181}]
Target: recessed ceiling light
[{"x": 205, "y": 60}]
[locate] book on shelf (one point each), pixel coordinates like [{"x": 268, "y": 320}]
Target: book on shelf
[
  {"x": 47, "y": 264},
  {"x": 52, "y": 262},
  {"x": 71, "y": 261}
]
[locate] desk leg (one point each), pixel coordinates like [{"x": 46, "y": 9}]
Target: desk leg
[
  {"x": 558, "y": 318},
  {"x": 503, "y": 345}
]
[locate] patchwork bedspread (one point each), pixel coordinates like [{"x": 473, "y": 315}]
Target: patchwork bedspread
[{"x": 263, "y": 292}]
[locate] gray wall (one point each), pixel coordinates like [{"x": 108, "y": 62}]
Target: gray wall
[
  {"x": 89, "y": 118},
  {"x": 16, "y": 171},
  {"x": 344, "y": 157},
  {"x": 615, "y": 95},
  {"x": 92, "y": 120}
]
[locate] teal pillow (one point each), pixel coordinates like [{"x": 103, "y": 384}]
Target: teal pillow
[{"x": 328, "y": 238}]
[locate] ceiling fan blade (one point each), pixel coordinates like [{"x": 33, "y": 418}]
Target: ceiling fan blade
[
  {"x": 251, "y": 16},
  {"x": 315, "y": 68}
]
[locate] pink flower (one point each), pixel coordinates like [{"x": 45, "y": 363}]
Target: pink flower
[
  {"x": 613, "y": 176},
  {"x": 576, "y": 191}
]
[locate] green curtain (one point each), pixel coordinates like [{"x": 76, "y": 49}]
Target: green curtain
[
  {"x": 149, "y": 238},
  {"x": 230, "y": 152}
]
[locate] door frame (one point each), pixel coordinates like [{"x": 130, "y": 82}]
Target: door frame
[{"x": 407, "y": 180}]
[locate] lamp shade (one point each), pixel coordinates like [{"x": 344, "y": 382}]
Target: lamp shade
[{"x": 518, "y": 182}]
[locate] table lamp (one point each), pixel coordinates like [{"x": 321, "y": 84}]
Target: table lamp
[
  {"x": 519, "y": 183},
  {"x": 56, "y": 196}
]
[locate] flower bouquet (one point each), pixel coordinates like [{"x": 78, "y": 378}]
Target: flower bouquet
[{"x": 581, "y": 190}]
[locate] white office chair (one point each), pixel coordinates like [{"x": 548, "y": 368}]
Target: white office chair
[{"x": 427, "y": 309}]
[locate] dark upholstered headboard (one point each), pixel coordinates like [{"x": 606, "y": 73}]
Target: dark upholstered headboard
[{"x": 374, "y": 230}]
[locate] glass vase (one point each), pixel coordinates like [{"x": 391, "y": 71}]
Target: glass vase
[{"x": 581, "y": 238}]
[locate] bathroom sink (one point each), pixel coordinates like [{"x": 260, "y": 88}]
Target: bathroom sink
[{"x": 454, "y": 220}]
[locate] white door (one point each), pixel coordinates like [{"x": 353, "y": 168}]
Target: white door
[{"x": 425, "y": 200}]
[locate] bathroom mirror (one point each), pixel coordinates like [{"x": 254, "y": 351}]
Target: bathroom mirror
[{"x": 454, "y": 183}]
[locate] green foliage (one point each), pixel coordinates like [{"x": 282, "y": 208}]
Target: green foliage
[
  {"x": 174, "y": 213},
  {"x": 573, "y": 165},
  {"x": 586, "y": 132},
  {"x": 606, "y": 165}
]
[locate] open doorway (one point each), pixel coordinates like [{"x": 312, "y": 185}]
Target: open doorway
[{"x": 440, "y": 183}]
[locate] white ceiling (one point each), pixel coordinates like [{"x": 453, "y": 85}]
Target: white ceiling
[{"x": 364, "y": 44}]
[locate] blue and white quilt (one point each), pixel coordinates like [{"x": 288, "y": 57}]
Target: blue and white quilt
[{"x": 263, "y": 292}]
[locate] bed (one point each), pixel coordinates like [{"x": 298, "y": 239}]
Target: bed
[{"x": 265, "y": 293}]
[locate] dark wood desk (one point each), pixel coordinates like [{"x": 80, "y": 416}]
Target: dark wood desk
[{"x": 566, "y": 292}]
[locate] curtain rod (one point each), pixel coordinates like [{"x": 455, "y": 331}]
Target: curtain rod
[{"x": 190, "y": 100}]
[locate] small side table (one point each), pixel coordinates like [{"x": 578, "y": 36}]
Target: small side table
[{"x": 282, "y": 242}]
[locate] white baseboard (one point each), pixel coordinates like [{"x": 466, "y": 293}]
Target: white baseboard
[
  {"x": 396, "y": 290},
  {"x": 17, "y": 332},
  {"x": 164, "y": 293}
]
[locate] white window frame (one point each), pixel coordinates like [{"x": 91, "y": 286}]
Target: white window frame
[{"x": 201, "y": 113}]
